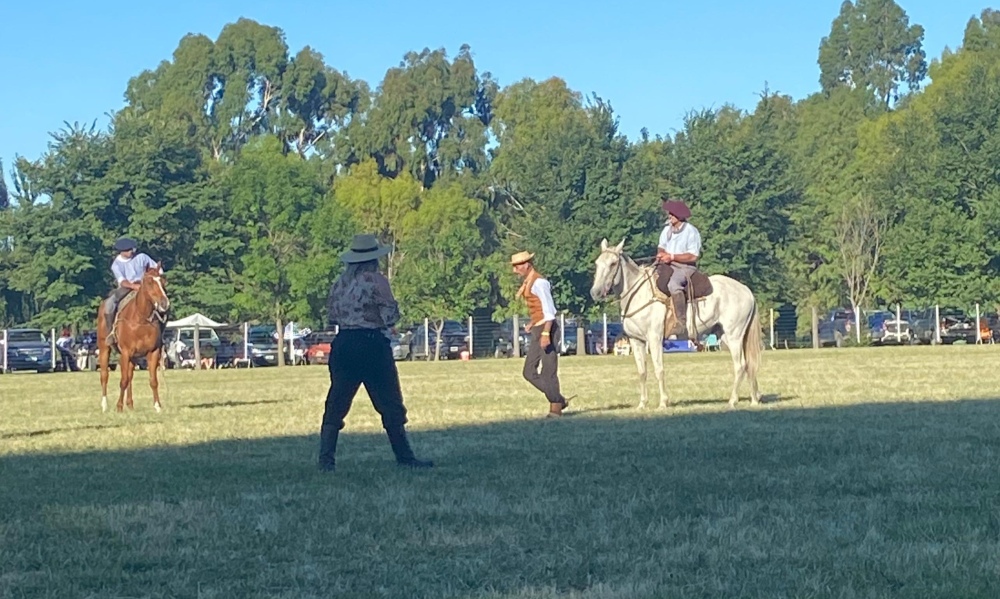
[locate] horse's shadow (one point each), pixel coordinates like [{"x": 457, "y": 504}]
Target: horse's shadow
[
  {"x": 51, "y": 431},
  {"x": 764, "y": 400},
  {"x": 231, "y": 404}
]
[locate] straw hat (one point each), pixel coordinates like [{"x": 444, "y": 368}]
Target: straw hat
[
  {"x": 364, "y": 247},
  {"x": 521, "y": 258}
]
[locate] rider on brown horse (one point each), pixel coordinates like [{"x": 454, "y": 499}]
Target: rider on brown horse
[
  {"x": 128, "y": 268},
  {"x": 676, "y": 257}
]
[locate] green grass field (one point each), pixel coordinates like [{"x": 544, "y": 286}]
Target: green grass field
[{"x": 868, "y": 472}]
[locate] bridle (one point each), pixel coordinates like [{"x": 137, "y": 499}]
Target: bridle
[
  {"x": 628, "y": 294},
  {"x": 160, "y": 314}
]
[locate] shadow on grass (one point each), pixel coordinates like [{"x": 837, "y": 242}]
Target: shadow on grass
[
  {"x": 745, "y": 502},
  {"x": 43, "y": 432},
  {"x": 231, "y": 404}
]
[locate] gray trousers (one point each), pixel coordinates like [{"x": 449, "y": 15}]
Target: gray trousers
[
  {"x": 546, "y": 380},
  {"x": 678, "y": 279},
  {"x": 112, "y": 304}
]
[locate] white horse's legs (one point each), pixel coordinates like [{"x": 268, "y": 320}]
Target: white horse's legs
[
  {"x": 736, "y": 351},
  {"x": 639, "y": 353},
  {"x": 656, "y": 353}
]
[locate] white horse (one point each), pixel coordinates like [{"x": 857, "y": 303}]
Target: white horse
[{"x": 731, "y": 306}]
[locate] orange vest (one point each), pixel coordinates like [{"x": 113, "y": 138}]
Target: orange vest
[{"x": 534, "y": 302}]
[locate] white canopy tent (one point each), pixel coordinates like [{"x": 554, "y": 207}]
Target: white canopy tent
[{"x": 196, "y": 320}]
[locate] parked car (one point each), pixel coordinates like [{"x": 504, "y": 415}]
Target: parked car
[
  {"x": 28, "y": 349},
  {"x": 400, "y": 345},
  {"x": 318, "y": 346},
  {"x": 454, "y": 340},
  {"x": 954, "y": 325},
  {"x": 836, "y": 328},
  {"x": 885, "y": 329},
  {"x": 263, "y": 346}
]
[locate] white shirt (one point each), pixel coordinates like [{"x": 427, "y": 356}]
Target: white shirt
[
  {"x": 685, "y": 241},
  {"x": 543, "y": 290}
]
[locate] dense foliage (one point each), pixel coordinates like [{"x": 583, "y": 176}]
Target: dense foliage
[{"x": 246, "y": 167}]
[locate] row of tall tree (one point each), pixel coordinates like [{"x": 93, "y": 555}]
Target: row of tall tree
[{"x": 246, "y": 167}]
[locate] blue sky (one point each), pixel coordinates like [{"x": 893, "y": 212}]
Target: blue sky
[{"x": 654, "y": 61}]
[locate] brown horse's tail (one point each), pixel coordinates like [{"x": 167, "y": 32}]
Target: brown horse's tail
[{"x": 752, "y": 343}]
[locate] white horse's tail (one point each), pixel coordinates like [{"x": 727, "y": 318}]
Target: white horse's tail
[{"x": 752, "y": 345}]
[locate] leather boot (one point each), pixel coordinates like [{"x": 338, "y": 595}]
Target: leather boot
[
  {"x": 328, "y": 447},
  {"x": 401, "y": 447},
  {"x": 109, "y": 320},
  {"x": 555, "y": 410},
  {"x": 680, "y": 312}
]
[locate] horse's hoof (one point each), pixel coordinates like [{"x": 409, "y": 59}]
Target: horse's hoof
[
  {"x": 663, "y": 406},
  {"x": 104, "y": 404},
  {"x": 157, "y": 408}
]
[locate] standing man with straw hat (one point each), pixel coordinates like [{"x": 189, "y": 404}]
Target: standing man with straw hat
[{"x": 544, "y": 330}]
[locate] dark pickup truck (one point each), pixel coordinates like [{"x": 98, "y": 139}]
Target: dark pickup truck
[{"x": 27, "y": 349}]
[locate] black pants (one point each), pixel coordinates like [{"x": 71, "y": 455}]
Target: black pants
[
  {"x": 363, "y": 356},
  {"x": 546, "y": 381}
]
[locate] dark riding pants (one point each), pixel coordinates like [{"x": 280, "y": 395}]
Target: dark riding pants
[
  {"x": 546, "y": 381},
  {"x": 363, "y": 356}
]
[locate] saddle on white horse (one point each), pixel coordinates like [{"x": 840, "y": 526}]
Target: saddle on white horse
[{"x": 698, "y": 287}]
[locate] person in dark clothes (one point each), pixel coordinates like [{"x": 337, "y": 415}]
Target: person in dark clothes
[{"x": 361, "y": 304}]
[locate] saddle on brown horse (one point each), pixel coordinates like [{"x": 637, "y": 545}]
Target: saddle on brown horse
[{"x": 698, "y": 287}]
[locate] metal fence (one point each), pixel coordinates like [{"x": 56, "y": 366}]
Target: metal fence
[{"x": 478, "y": 336}]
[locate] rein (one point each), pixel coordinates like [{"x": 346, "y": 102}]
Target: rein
[{"x": 628, "y": 294}]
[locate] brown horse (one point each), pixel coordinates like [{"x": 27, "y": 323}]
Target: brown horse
[{"x": 138, "y": 333}]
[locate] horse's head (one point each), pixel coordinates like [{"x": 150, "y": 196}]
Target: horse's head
[
  {"x": 154, "y": 287},
  {"x": 609, "y": 270}
]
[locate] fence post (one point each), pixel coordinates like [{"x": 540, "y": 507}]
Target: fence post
[
  {"x": 937, "y": 324},
  {"x": 471, "y": 339},
  {"x": 516, "y": 341},
  {"x": 52, "y": 353},
  {"x": 562, "y": 332},
  {"x": 604, "y": 346},
  {"x": 5, "y": 351},
  {"x": 899, "y": 313},
  {"x": 772, "y": 328},
  {"x": 815, "y": 327},
  {"x": 246, "y": 343},
  {"x": 581, "y": 339},
  {"x": 979, "y": 337},
  {"x": 197, "y": 347},
  {"x": 427, "y": 340}
]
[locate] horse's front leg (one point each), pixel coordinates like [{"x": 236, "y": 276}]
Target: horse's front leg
[
  {"x": 125, "y": 386},
  {"x": 656, "y": 353},
  {"x": 639, "y": 353},
  {"x": 153, "y": 361},
  {"x": 103, "y": 357}
]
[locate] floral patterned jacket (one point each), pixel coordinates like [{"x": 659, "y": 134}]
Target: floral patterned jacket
[{"x": 363, "y": 302}]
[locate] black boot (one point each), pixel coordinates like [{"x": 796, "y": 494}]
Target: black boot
[
  {"x": 680, "y": 312},
  {"x": 401, "y": 447},
  {"x": 328, "y": 447}
]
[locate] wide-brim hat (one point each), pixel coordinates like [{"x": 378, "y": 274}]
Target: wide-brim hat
[
  {"x": 677, "y": 208},
  {"x": 125, "y": 244},
  {"x": 364, "y": 247},
  {"x": 521, "y": 258}
]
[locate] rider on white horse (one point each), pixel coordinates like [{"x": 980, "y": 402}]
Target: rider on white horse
[{"x": 677, "y": 253}]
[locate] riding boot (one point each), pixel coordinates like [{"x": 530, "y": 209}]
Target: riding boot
[
  {"x": 680, "y": 312},
  {"x": 401, "y": 447},
  {"x": 328, "y": 447},
  {"x": 109, "y": 319}
]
